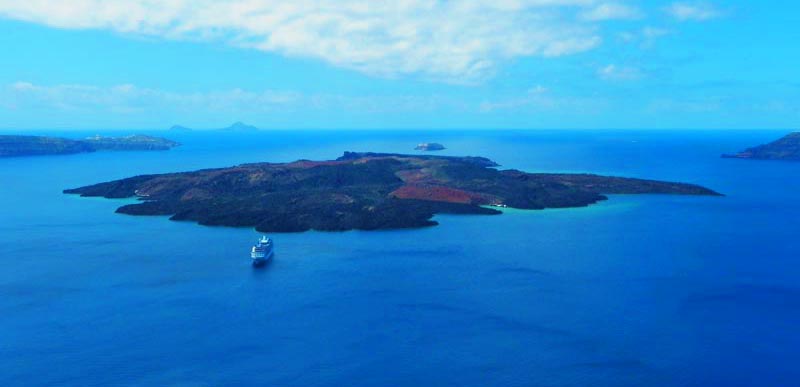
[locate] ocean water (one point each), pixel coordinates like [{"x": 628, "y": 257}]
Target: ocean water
[{"x": 638, "y": 290}]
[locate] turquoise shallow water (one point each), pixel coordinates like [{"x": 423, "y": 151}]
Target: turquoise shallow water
[{"x": 638, "y": 290}]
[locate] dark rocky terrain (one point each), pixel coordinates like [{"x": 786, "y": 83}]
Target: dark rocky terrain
[
  {"x": 361, "y": 191},
  {"x": 11, "y": 146},
  {"x": 785, "y": 148}
]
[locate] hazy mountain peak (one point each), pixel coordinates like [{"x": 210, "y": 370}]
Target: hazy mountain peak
[{"x": 241, "y": 126}]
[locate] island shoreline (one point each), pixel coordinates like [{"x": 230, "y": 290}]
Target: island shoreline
[{"x": 364, "y": 191}]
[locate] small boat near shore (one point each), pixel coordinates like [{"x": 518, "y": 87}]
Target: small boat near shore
[{"x": 262, "y": 252}]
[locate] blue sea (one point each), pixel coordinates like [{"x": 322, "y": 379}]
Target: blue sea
[{"x": 634, "y": 291}]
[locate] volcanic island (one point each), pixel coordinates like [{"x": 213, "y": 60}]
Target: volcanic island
[
  {"x": 363, "y": 191},
  {"x": 785, "y": 148}
]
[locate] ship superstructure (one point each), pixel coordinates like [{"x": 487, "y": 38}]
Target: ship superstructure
[{"x": 262, "y": 251}]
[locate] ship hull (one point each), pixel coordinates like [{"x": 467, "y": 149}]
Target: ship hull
[{"x": 261, "y": 261}]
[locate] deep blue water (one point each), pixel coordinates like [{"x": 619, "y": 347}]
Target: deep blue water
[{"x": 638, "y": 290}]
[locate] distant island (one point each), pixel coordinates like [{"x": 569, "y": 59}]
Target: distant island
[
  {"x": 179, "y": 128},
  {"x": 127, "y": 143},
  {"x": 365, "y": 191},
  {"x": 238, "y": 127},
  {"x": 429, "y": 146},
  {"x": 12, "y": 146},
  {"x": 785, "y": 148}
]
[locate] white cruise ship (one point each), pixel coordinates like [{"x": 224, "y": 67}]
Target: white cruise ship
[{"x": 262, "y": 251}]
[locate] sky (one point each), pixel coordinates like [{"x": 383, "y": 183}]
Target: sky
[{"x": 402, "y": 64}]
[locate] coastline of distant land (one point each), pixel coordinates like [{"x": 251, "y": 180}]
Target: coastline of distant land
[{"x": 16, "y": 146}]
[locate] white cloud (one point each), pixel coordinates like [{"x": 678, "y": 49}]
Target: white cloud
[
  {"x": 698, "y": 11},
  {"x": 687, "y": 105},
  {"x": 611, "y": 11},
  {"x": 455, "y": 41},
  {"x": 540, "y": 99},
  {"x": 133, "y": 101},
  {"x": 654, "y": 32},
  {"x": 619, "y": 73},
  {"x": 536, "y": 96},
  {"x": 646, "y": 37},
  {"x": 130, "y": 99}
]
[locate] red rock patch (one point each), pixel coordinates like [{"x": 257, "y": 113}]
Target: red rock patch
[{"x": 439, "y": 194}]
